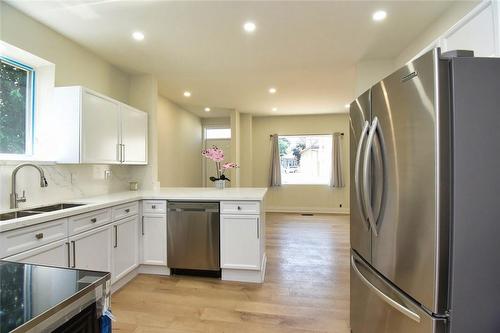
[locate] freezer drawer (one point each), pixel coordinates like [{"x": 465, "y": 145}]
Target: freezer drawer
[
  {"x": 377, "y": 307},
  {"x": 193, "y": 235}
]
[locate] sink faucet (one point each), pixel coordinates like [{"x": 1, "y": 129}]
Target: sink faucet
[{"x": 14, "y": 197}]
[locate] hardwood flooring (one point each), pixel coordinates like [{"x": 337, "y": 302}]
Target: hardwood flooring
[{"x": 306, "y": 288}]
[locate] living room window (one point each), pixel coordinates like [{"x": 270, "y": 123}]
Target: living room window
[
  {"x": 17, "y": 87},
  {"x": 305, "y": 159}
]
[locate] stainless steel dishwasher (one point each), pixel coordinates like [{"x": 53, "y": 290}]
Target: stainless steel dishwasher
[{"x": 193, "y": 231}]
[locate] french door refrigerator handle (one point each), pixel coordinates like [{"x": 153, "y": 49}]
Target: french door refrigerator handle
[
  {"x": 357, "y": 188},
  {"x": 366, "y": 176},
  {"x": 396, "y": 305}
]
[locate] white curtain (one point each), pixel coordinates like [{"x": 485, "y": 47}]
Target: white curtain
[
  {"x": 275, "y": 178},
  {"x": 337, "y": 170}
]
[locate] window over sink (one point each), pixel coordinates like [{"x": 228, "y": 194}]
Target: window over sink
[{"x": 17, "y": 87}]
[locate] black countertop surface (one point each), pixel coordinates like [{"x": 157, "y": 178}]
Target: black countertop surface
[{"x": 30, "y": 293}]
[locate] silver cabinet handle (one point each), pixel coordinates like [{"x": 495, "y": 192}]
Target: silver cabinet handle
[
  {"x": 142, "y": 226},
  {"x": 69, "y": 255},
  {"x": 93, "y": 220},
  {"x": 366, "y": 176},
  {"x": 118, "y": 152},
  {"x": 74, "y": 254},
  {"x": 127, "y": 210},
  {"x": 258, "y": 228},
  {"x": 401, "y": 308},
  {"x": 39, "y": 236},
  {"x": 357, "y": 188},
  {"x": 123, "y": 153},
  {"x": 116, "y": 236}
]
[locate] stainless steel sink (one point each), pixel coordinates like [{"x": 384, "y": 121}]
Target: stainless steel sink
[
  {"x": 55, "y": 207},
  {"x": 16, "y": 215},
  {"x": 38, "y": 210}
]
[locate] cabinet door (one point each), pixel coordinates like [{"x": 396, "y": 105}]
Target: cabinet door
[
  {"x": 240, "y": 241},
  {"x": 125, "y": 247},
  {"x": 53, "y": 254},
  {"x": 154, "y": 240},
  {"x": 134, "y": 127},
  {"x": 92, "y": 250},
  {"x": 99, "y": 129},
  {"x": 477, "y": 34}
]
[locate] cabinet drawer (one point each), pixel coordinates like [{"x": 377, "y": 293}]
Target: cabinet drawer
[
  {"x": 87, "y": 221},
  {"x": 23, "y": 239},
  {"x": 154, "y": 206},
  {"x": 125, "y": 210},
  {"x": 240, "y": 207}
]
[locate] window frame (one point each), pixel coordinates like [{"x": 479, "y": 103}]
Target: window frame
[
  {"x": 30, "y": 110},
  {"x": 326, "y": 183}
]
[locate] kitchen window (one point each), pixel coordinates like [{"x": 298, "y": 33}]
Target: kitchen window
[
  {"x": 17, "y": 83},
  {"x": 305, "y": 159}
]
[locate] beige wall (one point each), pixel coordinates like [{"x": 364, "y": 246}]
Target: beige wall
[
  {"x": 439, "y": 27},
  {"x": 179, "y": 145},
  {"x": 75, "y": 65},
  {"x": 246, "y": 150},
  {"x": 369, "y": 72},
  {"x": 302, "y": 198}
]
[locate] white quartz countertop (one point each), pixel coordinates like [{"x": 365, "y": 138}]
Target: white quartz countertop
[{"x": 113, "y": 199}]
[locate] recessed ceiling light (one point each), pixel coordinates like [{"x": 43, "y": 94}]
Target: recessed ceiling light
[
  {"x": 187, "y": 94},
  {"x": 272, "y": 90},
  {"x": 249, "y": 26},
  {"x": 207, "y": 109},
  {"x": 347, "y": 106},
  {"x": 379, "y": 15},
  {"x": 275, "y": 109},
  {"x": 137, "y": 35}
]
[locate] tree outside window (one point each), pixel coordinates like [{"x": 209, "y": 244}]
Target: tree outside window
[
  {"x": 16, "y": 83},
  {"x": 305, "y": 159}
]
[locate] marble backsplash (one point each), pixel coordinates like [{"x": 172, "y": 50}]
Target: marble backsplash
[{"x": 65, "y": 182}]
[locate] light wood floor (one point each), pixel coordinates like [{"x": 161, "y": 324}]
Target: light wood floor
[{"x": 306, "y": 288}]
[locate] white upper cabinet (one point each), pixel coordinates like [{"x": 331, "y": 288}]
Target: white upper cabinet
[
  {"x": 134, "y": 135},
  {"x": 100, "y": 129},
  {"x": 91, "y": 128},
  {"x": 477, "y": 32}
]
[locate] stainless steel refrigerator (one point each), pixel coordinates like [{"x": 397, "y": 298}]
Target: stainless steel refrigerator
[{"x": 425, "y": 198}]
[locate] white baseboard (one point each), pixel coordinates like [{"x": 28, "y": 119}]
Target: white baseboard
[
  {"x": 307, "y": 210},
  {"x": 246, "y": 275},
  {"x": 154, "y": 270},
  {"x": 124, "y": 280}
]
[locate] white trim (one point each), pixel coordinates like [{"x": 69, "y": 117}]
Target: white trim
[
  {"x": 120, "y": 283},
  {"x": 154, "y": 270},
  {"x": 307, "y": 210}
]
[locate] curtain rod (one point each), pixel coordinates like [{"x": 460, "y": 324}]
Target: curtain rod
[{"x": 271, "y": 135}]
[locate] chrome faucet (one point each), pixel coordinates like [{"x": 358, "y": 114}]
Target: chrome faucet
[{"x": 14, "y": 197}]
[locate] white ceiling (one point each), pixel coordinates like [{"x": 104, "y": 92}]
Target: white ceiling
[{"x": 307, "y": 50}]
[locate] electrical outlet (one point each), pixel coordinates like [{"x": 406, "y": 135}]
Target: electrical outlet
[{"x": 107, "y": 174}]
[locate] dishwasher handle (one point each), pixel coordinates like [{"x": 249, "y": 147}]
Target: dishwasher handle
[
  {"x": 205, "y": 210},
  {"x": 205, "y": 207}
]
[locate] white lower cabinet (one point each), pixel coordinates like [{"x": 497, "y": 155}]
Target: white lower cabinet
[
  {"x": 154, "y": 240},
  {"x": 92, "y": 250},
  {"x": 240, "y": 242},
  {"x": 125, "y": 247},
  {"x": 53, "y": 254}
]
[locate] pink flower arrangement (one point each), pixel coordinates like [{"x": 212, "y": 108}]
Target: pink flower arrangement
[{"x": 217, "y": 155}]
